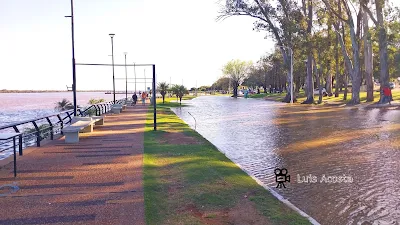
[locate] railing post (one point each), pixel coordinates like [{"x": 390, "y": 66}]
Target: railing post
[
  {"x": 15, "y": 158},
  {"x": 37, "y": 134},
  {"x": 51, "y": 127},
  {"x": 101, "y": 110},
  {"x": 70, "y": 119},
  {"x": 19, "y": 140},
  {"x": 97, "y": 110},
  {"x": 62, "y": 123}
]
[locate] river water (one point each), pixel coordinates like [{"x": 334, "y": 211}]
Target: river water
[
  {"x": 16, "y": 107},
  {"x": 344, "y": 163}
]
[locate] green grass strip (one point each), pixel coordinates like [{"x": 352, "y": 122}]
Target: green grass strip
[{"x": 194, "y": 183}]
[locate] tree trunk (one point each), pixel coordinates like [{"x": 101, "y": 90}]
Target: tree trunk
[
  {"x": 356, "y": 73},
  {"x": 163, "y": 98},
  {"x": 329, "y": 74},
  {"x": 345, "y": 83},
  {"x": 348, "y": 68},
  {"x": 318, "y": 81},
  {"x": 310, "y": 83},
  {"x": 235, "y": 91},
  {"x": 329, "y": 83},
  {"x": 337, "y": 78},
  {"x": 368, "y": 59},
  {"x": 297, "y": 85},
  {"x": 383, "y": 54}
]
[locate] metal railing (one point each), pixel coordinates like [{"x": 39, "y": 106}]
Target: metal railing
[{"x": 44, "y": 127}]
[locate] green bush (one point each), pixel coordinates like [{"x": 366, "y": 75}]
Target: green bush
[{"x": 30, "y": 133}]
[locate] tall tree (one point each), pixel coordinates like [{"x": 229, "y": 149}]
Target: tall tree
[
  {"x": 368, "y": 59},
  {"x": 279, "y": 19},
  {"x": 308, "y": 10},
  {"x": 383, "y": 45},
  {"x": 352, "y": 65},
  {"x": 237, "y": 71}
]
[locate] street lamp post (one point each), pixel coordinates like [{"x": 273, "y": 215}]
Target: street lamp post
[
  {"x": 134, "y": 71},
  {"x": 73, "y": 57},
  {"x": 291, "y": 72},
  {"x": 112, "y": 55},
  {"x": 126, "y": 79}
]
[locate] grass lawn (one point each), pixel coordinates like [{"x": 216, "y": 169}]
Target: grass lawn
[
  {"x": 188, "y": 181},
  {"x": 301, "y": 97}
]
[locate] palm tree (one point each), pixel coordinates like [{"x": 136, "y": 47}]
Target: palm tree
[
  {"x": 65, "y": 104},
  {"x": 179, "y": 91},
  {"x": 163, "y": 87}
]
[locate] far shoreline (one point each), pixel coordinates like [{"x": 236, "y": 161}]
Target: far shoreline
[{"x": 48, "y": 91}]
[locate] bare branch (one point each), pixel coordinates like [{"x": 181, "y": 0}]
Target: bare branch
[
  {"x": 370, "y": 14},
  {"x": 328, "y": 5}
]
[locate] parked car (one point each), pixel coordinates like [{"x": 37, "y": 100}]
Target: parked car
[
  {"x": 324, "y": 93},
  {"x": 392, "y": 85}
]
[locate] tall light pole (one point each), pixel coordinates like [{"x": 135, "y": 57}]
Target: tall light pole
[
  {"x": 134, "y": 71},
  {"x": 126, "y": 79},
  {"x": 291, "y": 72},
  {"x": 112, "y": 55},
  {"x": 145, "y": 86},
  {"x": 73, "y": 57}
]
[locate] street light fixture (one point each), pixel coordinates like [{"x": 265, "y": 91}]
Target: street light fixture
[
  {"x": 126, "y": 79},
  {"x": 73, "y": 57},
  {"x": 291, "y": 71},
  {"x": 112, "y": 54}
]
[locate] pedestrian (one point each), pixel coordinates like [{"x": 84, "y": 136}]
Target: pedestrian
[
  {"x": 134, "y": 98},
  {"x": 387, "y": 94},
  {"x": 144, "y": 98}
]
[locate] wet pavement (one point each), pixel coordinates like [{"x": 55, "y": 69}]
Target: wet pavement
[{"x": 343, "y": 162}]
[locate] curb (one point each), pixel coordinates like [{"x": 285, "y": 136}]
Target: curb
[{"x": 274, "y": 193}]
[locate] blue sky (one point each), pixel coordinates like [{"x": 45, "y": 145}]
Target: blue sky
[{"x": 180, "y": 36}]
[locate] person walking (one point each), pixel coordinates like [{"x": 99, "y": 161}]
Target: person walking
[
  {"x": 387, "y": 94},
  {"x": 134, "y": 98},
  {"x": 144, "y": 98}
]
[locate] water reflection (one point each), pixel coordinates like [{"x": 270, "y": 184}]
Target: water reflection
[{"x": 331, "y": 141}]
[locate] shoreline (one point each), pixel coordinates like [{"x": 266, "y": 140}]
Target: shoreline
[
  {"x": 202, "y": 199},
  {"x": 51, "y": 91}
]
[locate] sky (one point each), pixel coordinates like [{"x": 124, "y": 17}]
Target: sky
[{"x": 182, "y": 37}]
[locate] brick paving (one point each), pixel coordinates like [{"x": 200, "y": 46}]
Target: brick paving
[{"x": 95, "y": 181}]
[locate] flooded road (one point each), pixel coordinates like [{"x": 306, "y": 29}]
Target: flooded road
[{"x": 344, "y": 163}]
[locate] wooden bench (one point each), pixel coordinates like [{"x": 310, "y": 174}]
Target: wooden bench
[{"x": 78, "y": 124}]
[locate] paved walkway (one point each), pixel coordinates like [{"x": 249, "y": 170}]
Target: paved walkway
[{"x": 96, "y": 181}]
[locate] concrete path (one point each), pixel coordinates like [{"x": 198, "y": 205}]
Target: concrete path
[{"x": 96, "y": 181}]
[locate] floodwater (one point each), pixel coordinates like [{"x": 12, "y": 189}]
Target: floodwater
[{"x": 344, "y": 163}]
